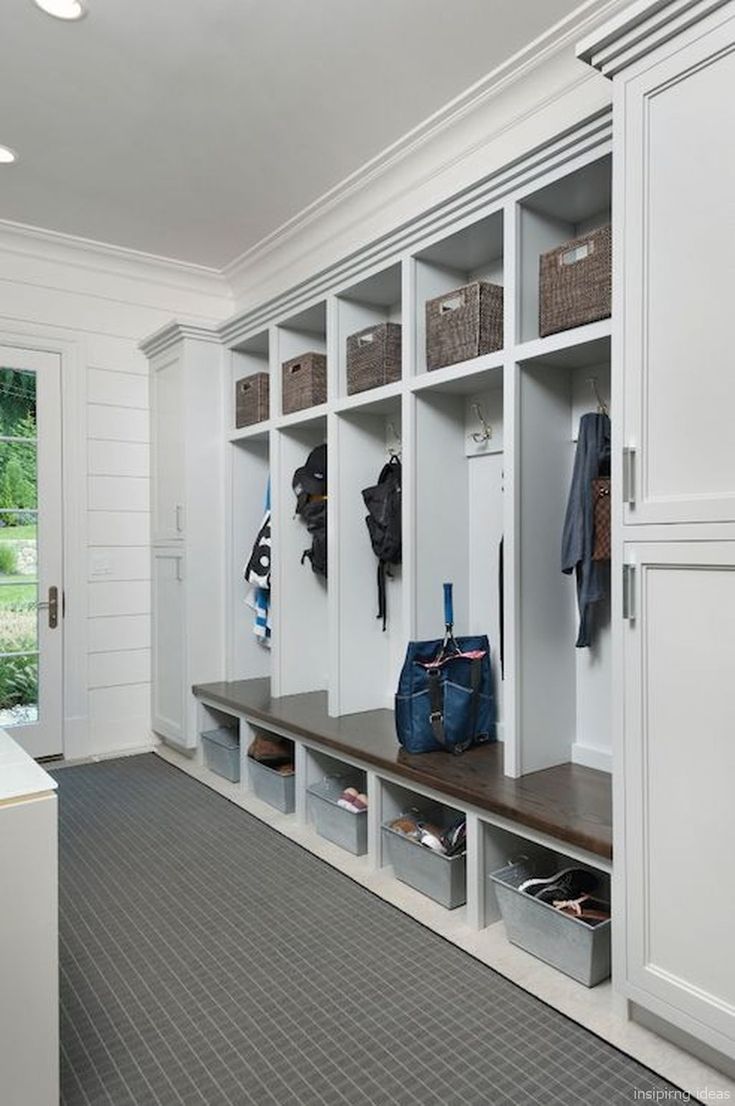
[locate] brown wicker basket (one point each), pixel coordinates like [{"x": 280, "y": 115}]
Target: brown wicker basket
[
  {"x": 373, "y": 357},
  {"x": 575, "y": 282},
  {"x": 464, "y": 323},
  {"x": 251, "y": 399},
  {"x": 304, "y": 382}
]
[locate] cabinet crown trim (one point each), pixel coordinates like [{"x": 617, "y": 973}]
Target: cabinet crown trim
[
  {"x": 174, "y": 332},
  {"x": 639, "y": 30}
]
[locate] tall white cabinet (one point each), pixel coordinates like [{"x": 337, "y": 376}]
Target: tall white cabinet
[
  {"x": 187, "y": 497},
  {"x": 673, "y": 71}
]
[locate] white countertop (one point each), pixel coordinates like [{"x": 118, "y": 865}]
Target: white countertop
[{"x": 20, "y": 776}]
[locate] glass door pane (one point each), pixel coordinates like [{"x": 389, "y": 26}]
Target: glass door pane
[{"x": 18, "y": 549}]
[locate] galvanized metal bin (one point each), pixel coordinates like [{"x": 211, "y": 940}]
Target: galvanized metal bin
[
  {"x": 275, "y": 788},
  {"x": 442, "y": 878},
  {"x": 222, "y": 752},
  {"x": 334, "y": 822},
  {"x": 579, "y": 950}
]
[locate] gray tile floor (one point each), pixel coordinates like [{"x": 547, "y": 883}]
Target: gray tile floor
[{"x": 208, "y": 961}]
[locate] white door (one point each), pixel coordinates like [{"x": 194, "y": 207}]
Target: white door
[
  {"x": 679, "y": 768},
  {"x": 169, "y": 655},
  {"x": 677, "y": 192},
  {"x": 31, "y": 586}
]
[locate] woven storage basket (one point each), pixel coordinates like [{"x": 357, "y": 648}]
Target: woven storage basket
[
  {"x": 464, "y": 323},
  {"x": 373, "y": 357},
  {"x": 251, "y": 399},
  {"x": 304, "y": 382},
  {"x": 575, "y": 282}
]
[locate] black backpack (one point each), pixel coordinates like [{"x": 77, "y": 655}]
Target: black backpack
[
  {"x": 383, "y": 502},
  {"x": 310, "y": 485}
]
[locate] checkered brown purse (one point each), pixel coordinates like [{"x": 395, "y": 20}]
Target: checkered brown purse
[{"x": 601, "y": 518}]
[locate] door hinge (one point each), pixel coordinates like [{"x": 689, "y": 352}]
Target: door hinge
[
  {"x": 628, "y": 474},
  {"x": 629, "y": 596}
]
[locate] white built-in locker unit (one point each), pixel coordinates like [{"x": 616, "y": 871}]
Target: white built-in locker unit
[{"x": 652, "y": 700}]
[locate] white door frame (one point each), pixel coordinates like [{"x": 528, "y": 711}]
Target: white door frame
[
  {"x": 44, "y": 737},
  {"x": 75, "y": 721}
]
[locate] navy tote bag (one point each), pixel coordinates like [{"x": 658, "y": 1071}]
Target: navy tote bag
[{"x": 445, "y": 695}]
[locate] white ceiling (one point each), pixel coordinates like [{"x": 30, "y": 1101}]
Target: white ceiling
[{"x": 193, "y": 129}]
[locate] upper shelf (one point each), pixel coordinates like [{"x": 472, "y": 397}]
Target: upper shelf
[{"x": 502, "y": 246}]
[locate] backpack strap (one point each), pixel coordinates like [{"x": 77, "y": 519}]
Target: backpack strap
[
  {"x": 436, "y": 705},
  {"x": 382, "y": 599}
]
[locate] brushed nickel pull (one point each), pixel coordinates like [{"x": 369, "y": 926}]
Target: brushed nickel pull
[
  {"x": 52, "y": 606},
  {"x": 629, "y": 596}
]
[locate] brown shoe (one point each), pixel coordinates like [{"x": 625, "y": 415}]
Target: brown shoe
[{"x": 271, "y": 750}]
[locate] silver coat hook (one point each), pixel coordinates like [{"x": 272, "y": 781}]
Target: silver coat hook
[
  {"x": 394, "y": 451},
  {"x": 602, "y": 408},
  {"x": 486, "y": 433}
]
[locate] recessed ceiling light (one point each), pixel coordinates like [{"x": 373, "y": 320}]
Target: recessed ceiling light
[
  {"x": 63, "y": 9},
  {"x": 7, "y": 156}
]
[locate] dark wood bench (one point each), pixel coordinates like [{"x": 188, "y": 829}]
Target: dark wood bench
[{"x": 568, "y": 802}]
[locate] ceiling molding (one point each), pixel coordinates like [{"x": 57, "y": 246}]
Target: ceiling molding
[
  {"x": 175, "y": 332},
  {"x": 639, "y": 29},
  {"x": 476, "y": 99},
  {"x": 87, "y": 254}
]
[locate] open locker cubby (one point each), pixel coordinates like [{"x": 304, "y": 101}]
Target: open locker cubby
[
  {"x": 250, "y": 357},
  {"x": 570, "y": 207},
  {"x": 471, "y": 254},
  {"x": 500, "y": 847},
  {"x": 564, "y": 693},
  {"x": 248, "y": 655},
  {"x": 325, "y": 779},
  {"x": 366, "y": 658},
  {"x": 219, "y": 742},
  {"x": 378, "y": 299},
  {"x": 459, "y": 511},
  {"x": 440, "y": 877},
  {"x": 304, "y": 332},
  {"x": 300, "y": 608}
]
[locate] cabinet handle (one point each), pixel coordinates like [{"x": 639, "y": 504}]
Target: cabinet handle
[
  {"x": 179, "y": 569},
  {"x": 179, "y": 518},
  {"x": 629, "y": 611},
  {"x": 629, "y": 474}
]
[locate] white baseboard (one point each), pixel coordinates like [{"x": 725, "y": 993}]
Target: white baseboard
[
  {"x": 591, "y": 757},
  {"x": 112, "y": 755}
]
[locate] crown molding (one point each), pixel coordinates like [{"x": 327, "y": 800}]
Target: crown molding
[
  {"x": 639, "y": 29},
  {"x": 475, "y": 102},
  {"x": 95, "y": 257},
  {"x": 170, "y": 335}
]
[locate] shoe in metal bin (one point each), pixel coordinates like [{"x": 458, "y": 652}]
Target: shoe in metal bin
[
  {"x": 222, "y": 752},
  {"x": 579, "y": 950},
  {"x": 442, "y": 878},
  {"x": 334, "y": 822},
  {"x": 274, "y": 788}
]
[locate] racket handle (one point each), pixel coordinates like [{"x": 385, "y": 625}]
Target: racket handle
[{"x": 448, "y": 606}]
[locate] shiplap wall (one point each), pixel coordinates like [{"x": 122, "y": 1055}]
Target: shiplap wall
[
  {"x": 98, "y": 307},
  {"x": 118, "y": 536}
]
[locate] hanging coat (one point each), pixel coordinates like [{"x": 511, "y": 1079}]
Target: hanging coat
[{"x": 591, "y": 460}]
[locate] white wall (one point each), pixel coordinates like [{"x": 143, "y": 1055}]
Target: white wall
[{"x": 94, "y": 306}]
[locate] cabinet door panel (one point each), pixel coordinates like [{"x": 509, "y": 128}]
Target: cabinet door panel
[
  {"x": 168, "y": 643},
  {"x": 168, "y": 431},
  {"x": 679, "y": 752},
  {"x": 678, "y": 281}
]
